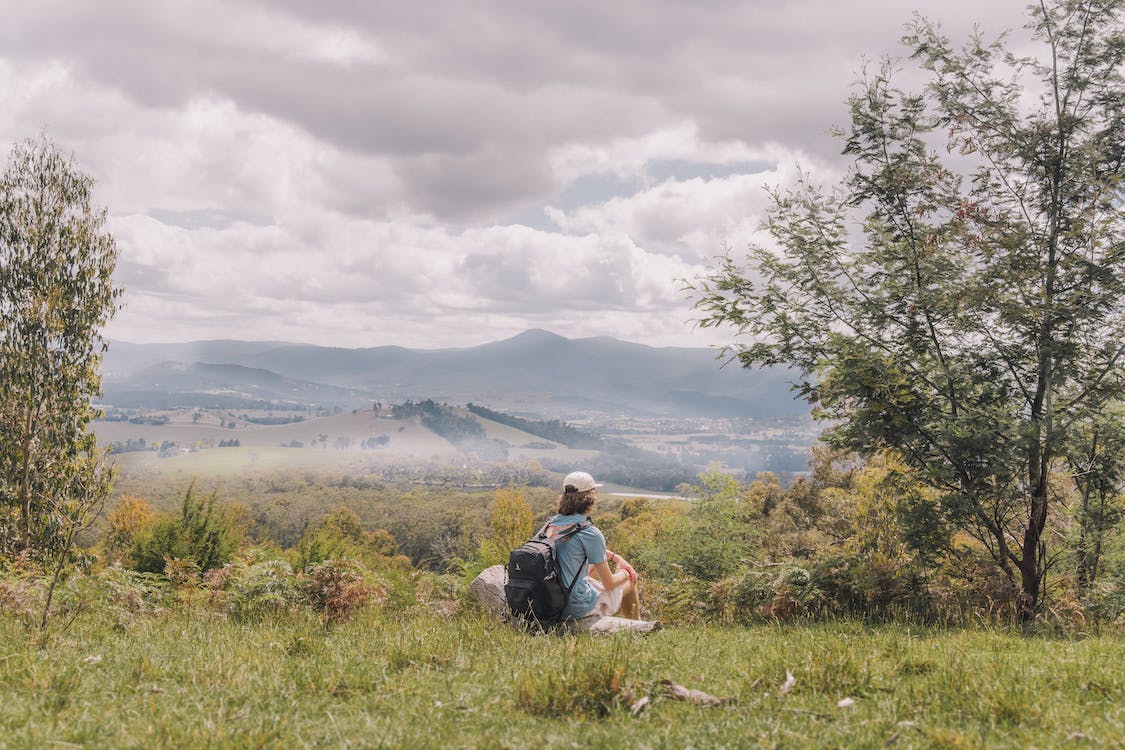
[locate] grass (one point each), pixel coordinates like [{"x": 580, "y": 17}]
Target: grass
[
  {"x": 260, "y": 445},
  {"x": 186, "y": 678}
]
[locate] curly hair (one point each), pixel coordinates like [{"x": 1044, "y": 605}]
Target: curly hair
[{"x": 573, "y": 502}]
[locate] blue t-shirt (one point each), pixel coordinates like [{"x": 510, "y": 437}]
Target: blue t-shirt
[{"x": 589, "y": 543}]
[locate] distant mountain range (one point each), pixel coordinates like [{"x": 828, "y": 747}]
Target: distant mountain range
[{"x": 535, "y": 373}]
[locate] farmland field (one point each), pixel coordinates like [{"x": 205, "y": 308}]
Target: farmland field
[{"x": 324, "y": 442}]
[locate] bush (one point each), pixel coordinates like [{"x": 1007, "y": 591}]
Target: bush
[
  {"x": 752, "y": 595},
  {"x": 833, "y": 577},
  {"x": 121, "y": 593},
  {"x": 781, "y": 594},
  {"x": 442, "y": 594},
  {"x": 203, "y": 534},
  {"x": 512, "y": 519},
  {"x": 182, "y": 573},
  {"x": 340, "y": 535},
  {"x": 707, "y": 539},
  {"x": 888, "y": 586},
  {"x": 127, "y": 519},
  {"x": 260, "y": 590},
  {"x": 22, "y": 598},
  {"x": 337, "y": 588},
  {"x": 684, "y": 601},
  {"x": 1105, "y": 599}
]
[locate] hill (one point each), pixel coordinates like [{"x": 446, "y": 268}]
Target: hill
[
  {"x": 172, "y": 384},
  {"x": 438, "y": 675},
  {"x": 191, "y": 442},
  {"x": 536, "y": 373}
]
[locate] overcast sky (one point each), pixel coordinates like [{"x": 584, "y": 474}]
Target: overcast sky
[{"x": 438, "y": 173}]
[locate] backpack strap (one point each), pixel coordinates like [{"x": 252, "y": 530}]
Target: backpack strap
[
  {"x": 568, "y": 532},
  {"x": 577, "y": 574},
  {"x": 574, "y": 529}
]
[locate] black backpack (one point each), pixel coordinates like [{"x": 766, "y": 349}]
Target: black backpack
[{"x": 535, "y": 589}]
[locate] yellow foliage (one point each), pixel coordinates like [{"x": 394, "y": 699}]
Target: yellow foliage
[
  {"x": 128, "y": 517},
  {"x": 644, "y": 523},
  {"x": 511, "y": 518},
  {"x": 881, "y": 490}
]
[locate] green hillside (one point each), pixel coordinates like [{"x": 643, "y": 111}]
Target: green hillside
[
  {"x": 332, "y": 441},
  {"x": 436, "y": 674}
]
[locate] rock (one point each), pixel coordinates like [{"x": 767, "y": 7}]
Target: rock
[{"x": 488, "y": 588}]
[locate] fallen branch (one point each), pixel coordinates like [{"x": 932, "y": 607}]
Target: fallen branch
[
  {"x": 697, "y": 697},
  {"x": 639, "y": 706},
  {"x": 806, "y": 712}
]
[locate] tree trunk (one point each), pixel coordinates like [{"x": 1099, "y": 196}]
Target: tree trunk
[
  {"x": 1038, "y": 470},
  {"x": 1031, "y": 558},
  {"x": 1082, "y": 561},
  {"x": 1030, "y": 582},
  {"x": 25, "y": 501},
  {"x": 64, "y": 556}
]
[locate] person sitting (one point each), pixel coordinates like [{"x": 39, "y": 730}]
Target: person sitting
[{"x": 602, "y": 591}]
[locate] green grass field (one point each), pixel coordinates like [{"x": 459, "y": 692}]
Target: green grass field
[
  {"x": 416, "y": 679},
  {"x": 260, "y": 446}
]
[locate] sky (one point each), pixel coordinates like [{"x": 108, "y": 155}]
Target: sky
[{"x": 440, "y": 173}]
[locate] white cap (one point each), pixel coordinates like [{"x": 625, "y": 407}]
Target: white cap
[{"x": 580, "y": 481}]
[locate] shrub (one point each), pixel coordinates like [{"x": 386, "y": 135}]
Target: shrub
[
  {"x": 442, "y": 594},
  {"x": 971, "y": 588},
  {"x": 22, "y": 598},
  {"x": 162, "y": 540},
  {"x": 707, "y": 539},
  {"x": 260, "y": 590},
  {"x": 183, "y": 573},
  {"x": 755, "y": 595},
  {"x": 512, "y": 519},
  {"x": 684, "y": 600},
  {"x": 1105, "y": 599},
  {"x": 832, "y": 576},
  {"x": 488, "y": 554},
  {"x": 340, "y": 535},
  {"x": 203, "y": 533},
  {"x": 752, "y": 595},
  {"x": 121, "y": 593},
  {"x": 337, "y": 588},
  {"x": 886, "y": 585},
  {"x": 123, "y": 524}
]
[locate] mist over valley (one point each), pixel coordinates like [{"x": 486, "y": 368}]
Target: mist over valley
[{"x": 642, "y": 417}]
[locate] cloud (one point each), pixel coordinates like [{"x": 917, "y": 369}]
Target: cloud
[
  {"x": 438, "y": 172},
  {"x": 271, "y": 281}
]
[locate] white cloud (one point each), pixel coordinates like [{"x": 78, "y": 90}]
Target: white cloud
[
  {"x": 342, "y": 172},
  {"x": 268, "y": 282}
]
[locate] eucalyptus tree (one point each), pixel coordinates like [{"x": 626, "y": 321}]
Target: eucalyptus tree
[
  {"x": 56, "y": 294},
  {"x": 958, "y": 296}
]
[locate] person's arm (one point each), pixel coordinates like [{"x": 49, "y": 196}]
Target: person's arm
[
  {"x": 609, "y": 579},
  {"x": 621, "y": 564}
]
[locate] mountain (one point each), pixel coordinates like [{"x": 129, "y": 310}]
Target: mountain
[
  {"x": 124, "y": 358},
  {"x": 536, "y": 372},
  {"x": 172, "y": 384}
]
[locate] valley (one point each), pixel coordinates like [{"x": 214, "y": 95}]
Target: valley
[
  {"x": 645, "y": 418},
  {"x": 642, "y": 454}
]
